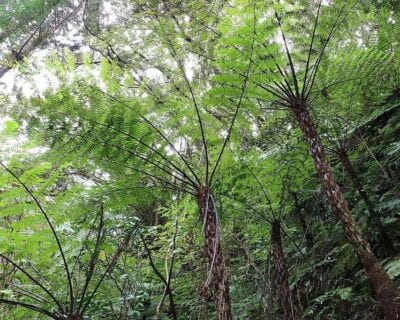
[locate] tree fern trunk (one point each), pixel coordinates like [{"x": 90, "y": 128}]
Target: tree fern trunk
[
  {"x": 216, "y": 275},
  {"x": 386, "y": 291},
  {"x": 384, "y": 239},
  {"x": 285, "y": 296}
]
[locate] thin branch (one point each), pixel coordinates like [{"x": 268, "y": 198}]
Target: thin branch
[
  {"x": 71, "y": 293},
  {"x": 191, "y": 91},
  {"x": 152, "y": 264},
  {"x": 112, "y": 55},
  {"x": 18, "y": 54},
  {"x": 263, "y": 191},
  {"x": 287, "y": 94},
  {"x": 274, "y": 92},
  {"x": 170, "y": 162},
  {"x": 79, "y": 255},
  {"x": 85, "y": 25},
  {"x": 167, "y": 287},
  {"x": 174, "y": 186},
  {"x": 33, "y": 280},
  {"x": 193, "y": 17},
  {"x": 244, "y": 86},
  {"x": 146, "y": 160},
  {"x": 265, "y": 217},
  {"x": 310, "y": 49},
  {"x": 289, "y": 56},
  {"x": 286, "y": 234},
  {"x": 52, "y": 315},
  {"x": 314, "y": 70},
  {"x": 110, "y": 266},
  {"x": 38, "y": 273},
  {"x": 94, "y": 257},
  {"x": 159, "y": 132},
  {"x": 140, "y": 187},
  {"x": 25, "y": 292}
]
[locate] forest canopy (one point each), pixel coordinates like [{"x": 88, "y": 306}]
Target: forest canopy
[{"x": 199, "y": 159}]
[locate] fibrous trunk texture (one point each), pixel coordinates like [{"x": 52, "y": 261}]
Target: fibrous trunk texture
[
  {"x": 285, "y": 296},
  {"x": 385, "y": 289},
  {"x": 384, "y": 239},
  {"x": 216, "y": 275}
]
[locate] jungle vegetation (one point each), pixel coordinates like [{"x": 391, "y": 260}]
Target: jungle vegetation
[{"x": 181, "y": 159}]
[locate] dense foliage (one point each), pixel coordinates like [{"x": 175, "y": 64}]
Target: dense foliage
[{"x": 200, "y": 160}]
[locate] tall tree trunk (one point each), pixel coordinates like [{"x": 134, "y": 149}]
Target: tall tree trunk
[
  {"x": 216, "y": 276},
  {"x": 384, "y": 239},
  {"x": 285, "y": 296},
  {"x": 385, "y": 289}
]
